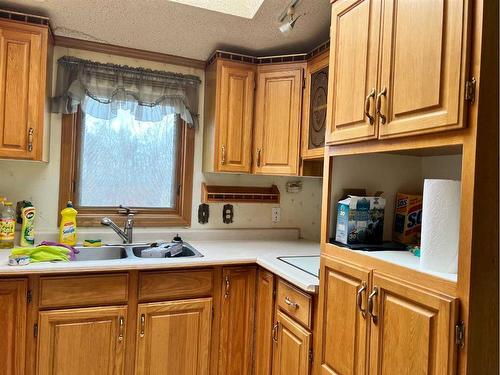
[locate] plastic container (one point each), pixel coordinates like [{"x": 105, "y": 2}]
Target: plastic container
[
  {"x": 27, "y": 229},
  {"x": 67, "y": 228},
  {"x": 7, "y": 226}
]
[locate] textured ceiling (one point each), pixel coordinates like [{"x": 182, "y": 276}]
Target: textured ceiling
[{"x": 182, "y": 30}]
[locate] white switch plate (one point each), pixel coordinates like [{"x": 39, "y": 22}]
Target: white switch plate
[{"x": 276, "y": 215}]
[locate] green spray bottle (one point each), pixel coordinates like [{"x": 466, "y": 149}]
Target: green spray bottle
[{"x": 28, "y": 225}]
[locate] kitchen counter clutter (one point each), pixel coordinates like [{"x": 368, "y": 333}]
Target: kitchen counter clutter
[{"x": 215, "y": 253}]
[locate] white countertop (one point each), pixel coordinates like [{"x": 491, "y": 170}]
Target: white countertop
[{"x": 216, "y": 253}]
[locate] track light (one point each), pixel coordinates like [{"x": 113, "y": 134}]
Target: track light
[{"x": 289, "y": 13}]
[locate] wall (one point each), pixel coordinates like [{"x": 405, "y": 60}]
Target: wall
[{"x": 39, "y": 182}]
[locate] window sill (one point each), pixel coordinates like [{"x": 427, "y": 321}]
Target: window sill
[{"x": 140, "y": 220}]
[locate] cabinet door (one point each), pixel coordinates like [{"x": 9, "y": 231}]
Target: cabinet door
[
  {"x": 354, "y": 49},
  {"x": 235, "y": 117},
  {"x": 343, "y": 326},
  {"x": 413, "y": 332},
  {"x": 237, "y": 321},
  {"x": 423, "y": 66},
  {"x": 277, "y": 120},
  {"x": 23, "y": 54},
  {"x": 264, "y": 319},
  {"x": 292, "y": 347},
  {"x": 13, "y": 326},
  {"x": 82, "y": 341},
  {"x": 174, "y": 337}
]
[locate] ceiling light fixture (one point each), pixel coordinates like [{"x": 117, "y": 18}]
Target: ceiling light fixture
[{"x": 289, "y": 13}]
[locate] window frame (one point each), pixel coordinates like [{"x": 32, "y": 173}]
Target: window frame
[{"x": 144, "y": 217}]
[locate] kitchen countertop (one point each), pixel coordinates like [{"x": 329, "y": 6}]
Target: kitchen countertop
[{"x": 265, "y": 253}]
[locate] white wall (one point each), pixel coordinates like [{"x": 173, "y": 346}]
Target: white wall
[{"x": 39, "y": 182}]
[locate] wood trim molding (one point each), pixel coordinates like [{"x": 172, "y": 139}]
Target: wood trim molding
[{"x": 64, "y": 41}]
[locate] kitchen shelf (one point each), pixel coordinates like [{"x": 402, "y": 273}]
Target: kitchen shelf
[{"x": 239, "y": 194}]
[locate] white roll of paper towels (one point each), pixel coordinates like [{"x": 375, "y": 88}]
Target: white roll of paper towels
[{"x": 440, "y": 226}]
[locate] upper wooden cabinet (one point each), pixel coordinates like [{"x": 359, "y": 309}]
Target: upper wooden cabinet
[
  {"x": 396, "y": 69},
  {"x": 237, "y": 321},
  {"x": 23, "y": 69},
  {"x": 229, "y": 116},
  {"x": 13, "y": 328},
  {"x": 174, "y": 337},
  {"x": 315, "y": 107},
  {"x": 278, "y": 119},
  {"x": 82, "y": 341}
]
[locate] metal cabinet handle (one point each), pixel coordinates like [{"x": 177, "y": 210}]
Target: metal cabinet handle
[
  {"x": 274, "y": 333},
  {"x": 289, "y": 302},
  {"x": 383, "y": 119},
  {"x": 368, "y": 102},
  {"x": 359, "y": 299},
  {"x": 121, "y": 322},
  {"x": 226, "y": 293},
  {"x": 258, "y": 157},
  {"x": 370, "y": 304},
  {"x": 31, "y": 131},
  {"x": 223, "y": 157},
  {"x": 143, "y": 325}
]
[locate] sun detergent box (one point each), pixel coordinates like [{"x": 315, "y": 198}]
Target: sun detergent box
[
  {"x": 360, "y": 220},
  {"x": 407, "y": 219}
]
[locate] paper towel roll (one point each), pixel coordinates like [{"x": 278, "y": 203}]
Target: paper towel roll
[{"x": 440, "y": 226}]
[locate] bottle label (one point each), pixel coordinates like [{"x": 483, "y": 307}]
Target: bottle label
[
  {"x": 7, "y": 229},
  {"x": 69, "y": 232}
]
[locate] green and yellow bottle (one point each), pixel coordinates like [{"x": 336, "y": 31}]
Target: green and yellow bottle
[
  {"x": 67, "y": 229},
  {"x": 28, "y": 225}
]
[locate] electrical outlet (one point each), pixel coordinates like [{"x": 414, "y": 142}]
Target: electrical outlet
[{"x": 276, "y": 215}]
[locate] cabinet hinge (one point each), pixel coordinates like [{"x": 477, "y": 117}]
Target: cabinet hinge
[
  {"x": 460, "y": 334},
  {"x": 470, "y": 90},
  {"x": 310, "y": 355},
  {"x": 29, "y": 296},
  {"x": 35, "y": 330}
]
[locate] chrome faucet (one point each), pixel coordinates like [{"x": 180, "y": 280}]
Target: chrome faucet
[{"x": 127, "y": 233}]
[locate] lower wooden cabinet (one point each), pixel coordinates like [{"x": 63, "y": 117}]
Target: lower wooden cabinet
[
  {"x": 370, "y": 321},
  {"x": 264, "y": 320},
  {"x": 292, "y": 347},
  {"x": 173, "y": 337},
  {"x": 237, "y": 321},
  {"x": 82, "y": 341},
  {"x": 13, "y": 326}
]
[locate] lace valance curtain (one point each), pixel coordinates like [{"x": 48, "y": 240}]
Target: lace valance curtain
[{"x": 101, "y": 89}]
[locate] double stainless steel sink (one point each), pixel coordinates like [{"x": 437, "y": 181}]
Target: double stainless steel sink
[{"x": 133, "y": 251}]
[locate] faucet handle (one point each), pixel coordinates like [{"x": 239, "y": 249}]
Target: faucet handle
[{"x": 126, "y": 210}]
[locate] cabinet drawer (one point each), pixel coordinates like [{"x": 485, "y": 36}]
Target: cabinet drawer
[
  {"x": 174, "y": 285},
  {"x": 88, "y": 290},
  {"x": 295, "y": 303}
]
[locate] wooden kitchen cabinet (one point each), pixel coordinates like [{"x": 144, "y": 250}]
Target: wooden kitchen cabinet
[
  {"x": 13, "y": 303},
  {"x": 418, "y": 87},
  {"x": 23, "y": 69},
  {"x": 278, "y": 111},
  {"x": 264, "y": 320},
  {"x": 82, "y": 341},
  {"x": 412, "y": 330},
  {"x": 353, "y": 68},
  {"x": 237, "y": 321},
  {"x": 343, "y": 324},
  {"x": 229, "y": 116},
  {"x": 292, "y": 347},
  {"x": 174, "y": 337}
]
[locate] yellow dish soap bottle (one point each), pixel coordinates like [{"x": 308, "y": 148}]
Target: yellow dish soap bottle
[
  {"x": 28, "y": 227},
  {"x": 67, "y": 228}
]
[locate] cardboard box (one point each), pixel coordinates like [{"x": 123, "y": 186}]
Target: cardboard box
[
  {"x": 360, "y": 220},
  {"x": 407, "y": 219}
]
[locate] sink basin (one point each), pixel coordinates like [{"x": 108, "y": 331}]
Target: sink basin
[
  {"x": 101, "y": 253},
  {"x": 187, "y": 251}
]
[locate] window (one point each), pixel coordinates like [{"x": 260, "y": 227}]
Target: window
[{"x": 147, "y": 166}]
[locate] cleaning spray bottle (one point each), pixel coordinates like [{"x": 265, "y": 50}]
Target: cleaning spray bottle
[
  {"x": 67, "y": 228},
  {"x": 28, "y": 221}
]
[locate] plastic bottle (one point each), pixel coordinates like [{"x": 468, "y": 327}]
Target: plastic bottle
[
  {"x": 27, "y": 230},
  {"x": 7, "y": 226},
  {"x": 67, "y": 229}
]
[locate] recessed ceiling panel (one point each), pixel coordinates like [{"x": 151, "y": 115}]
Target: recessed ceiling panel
[{"x": 240, "y": 8}]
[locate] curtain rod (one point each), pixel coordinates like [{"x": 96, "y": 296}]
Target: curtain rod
[{"x": 70, "y": 60}]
